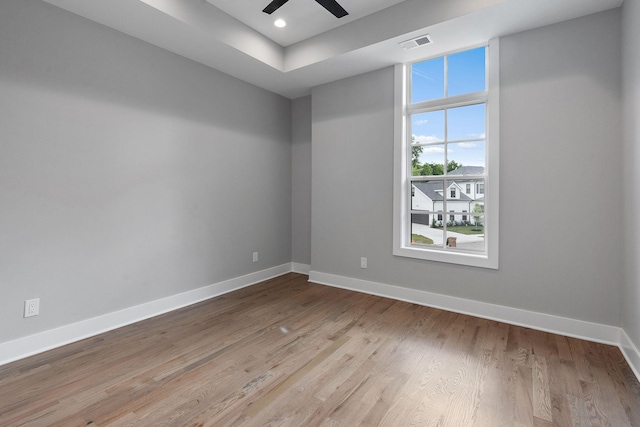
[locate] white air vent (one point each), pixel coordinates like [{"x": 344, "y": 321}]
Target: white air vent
[{"x": 416, "y": 42}]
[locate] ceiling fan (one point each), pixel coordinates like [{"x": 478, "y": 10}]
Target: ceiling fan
[{"x": 331, "y": 5}]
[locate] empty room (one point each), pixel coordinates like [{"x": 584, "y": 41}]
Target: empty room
[{"x": 319, "y": 213}]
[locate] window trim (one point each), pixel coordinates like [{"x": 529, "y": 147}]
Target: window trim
[{"x": 401, "y": 198}]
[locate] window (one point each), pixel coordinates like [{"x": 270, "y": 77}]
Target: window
[{"x": 447, "y": 138}]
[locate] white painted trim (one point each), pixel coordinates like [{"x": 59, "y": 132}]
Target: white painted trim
[
  {"x": 630, "y": 352},
  {"x": 402, "y": 246},
  {"x": 47, "y": 340},
  {"x": 589, "y": 331},
  {"x": 296, "y": 267}
]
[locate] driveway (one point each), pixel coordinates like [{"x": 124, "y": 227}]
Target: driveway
[{"x": 436, "y": 234}]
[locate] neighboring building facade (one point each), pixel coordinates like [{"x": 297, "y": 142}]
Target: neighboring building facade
[{"x": 464, "y": 198}]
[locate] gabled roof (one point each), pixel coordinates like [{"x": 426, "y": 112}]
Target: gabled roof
[
  {"x": 468, "y": 170},
  {"x": 430, "y": 189}
]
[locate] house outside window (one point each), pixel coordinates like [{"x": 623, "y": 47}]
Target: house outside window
[{"x": 446, "y": 141}]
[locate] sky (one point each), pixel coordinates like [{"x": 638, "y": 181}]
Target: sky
[{"x": 465, "y": 126}]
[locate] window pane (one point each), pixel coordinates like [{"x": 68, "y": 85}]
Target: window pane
[
  {"x": 466, "y": 123},
  {"x": 427, "y": 80},
  {"x": 470, "y": 153},
  {"x": 467, "y": 235},
  {"x": 422, "y": 233},
  {"x": 426, "y": 195},
  {"x": 467, "y": 72},
  {"x": 427, "y": 127},
  {"x": 427, "y": 160}
]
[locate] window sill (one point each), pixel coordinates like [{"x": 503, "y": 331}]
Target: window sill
[{"x": 450, "y": 256}]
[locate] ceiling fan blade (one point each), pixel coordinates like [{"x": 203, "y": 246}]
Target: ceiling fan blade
[
  {"x": 273, "y": 6},
  {"x": 333, "y": 7}
]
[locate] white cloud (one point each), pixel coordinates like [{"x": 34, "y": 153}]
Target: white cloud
[
  {"x": 421, "y": 122},
  {"x": 426, "y": 139},
  {"x": 433, "y": 149},
  {"x": 467, "y": 145}
]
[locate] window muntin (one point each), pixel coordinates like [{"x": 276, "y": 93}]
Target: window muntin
[{"x": 446, "y": 123}]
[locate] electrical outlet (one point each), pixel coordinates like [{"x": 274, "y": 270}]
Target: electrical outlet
[
  {"x": 363, "y": 262},
  {"x": 32, "y": 307},
  {"x": 255, "y": 257}
]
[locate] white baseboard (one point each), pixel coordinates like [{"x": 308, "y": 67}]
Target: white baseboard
[
  {"x": 630, "y": 352},
  {"x": 47, "y": 340},
  {"x": 589, "y": 331},
  {"x": 296, "y": 267}
]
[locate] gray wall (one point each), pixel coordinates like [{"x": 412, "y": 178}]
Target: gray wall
[
  {"x": 301, "y": 180},
  {"x": 631, "y": 108},
  {"x": 561, "y": 253},
  {"x": 127, "y": 173}
]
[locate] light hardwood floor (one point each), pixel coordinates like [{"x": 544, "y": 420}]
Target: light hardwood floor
[{"x": 290, "y": 353}]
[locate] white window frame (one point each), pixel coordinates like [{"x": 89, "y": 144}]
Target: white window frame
[{"x": 402, "y": 165}]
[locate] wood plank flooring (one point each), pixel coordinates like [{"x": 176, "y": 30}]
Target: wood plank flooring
[{"x": 290, "y": 353}]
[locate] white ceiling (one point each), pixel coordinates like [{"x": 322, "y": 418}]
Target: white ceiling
[
  {"x": 235, "y": 37},
  {"x": 305, "y": 18}
]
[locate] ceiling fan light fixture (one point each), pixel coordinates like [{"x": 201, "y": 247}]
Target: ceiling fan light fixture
[
  {"x": 331, "y": 5},
  {"x": 280, "y": 23}
]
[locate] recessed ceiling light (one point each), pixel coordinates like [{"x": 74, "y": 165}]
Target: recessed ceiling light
[{"x": 280, "y": 23}]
